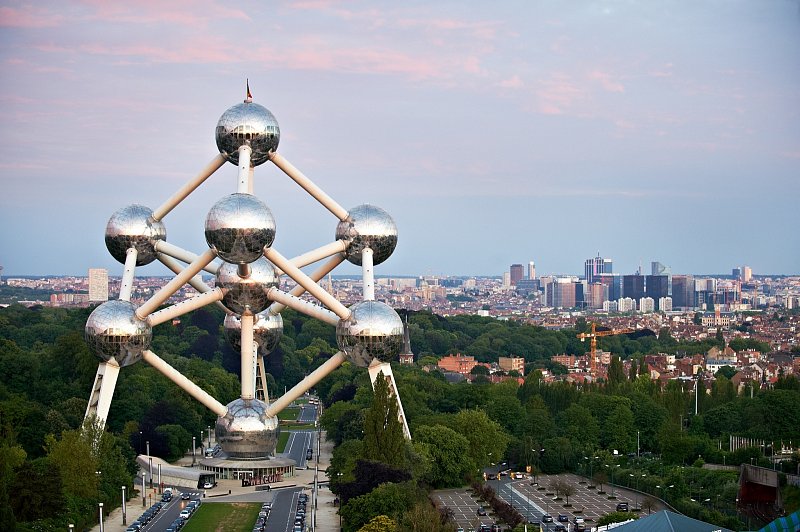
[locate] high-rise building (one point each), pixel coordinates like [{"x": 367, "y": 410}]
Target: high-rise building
[
  {"x": 656, "y": 287},
  {"x": 516, "y": 273},
  {"x": 564, "y": 292},
  {"x": 747, "y": 274},
  {"x": 646, "y": 304},
  {"x": 596, "y": 266},
  {"x": 596, "y": 295},
  {"x": 665, "y": 304},
  {"x": 656, "y": 268},
  {"x": 506, "y": 279},
  {"x": 736, "y": 273},
  {"x": 612, "y": 281},
  {"x": 98, "y": 284},
  {"x": 626, "y": 304},
  {"x": 531, "y": 271},
  {"x": 683, "y": 291},
  {"x": 633, "y": 286}
]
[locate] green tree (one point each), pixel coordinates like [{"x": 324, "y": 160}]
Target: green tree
[
  {"x": 616, "y": 374},
  {"x": 447, "y": 453},
  {"x": 616, "y": 517},
  {"x": 379, "y": 523},
  {"x": 176, "y": 438},
  {"x": 619, "y": 431},
  {"x": 388, "y": 499},
  {"x": 11, "y": 456},
  {"x": 486, "y": 437},
  {"x": 383, "y": 433}
]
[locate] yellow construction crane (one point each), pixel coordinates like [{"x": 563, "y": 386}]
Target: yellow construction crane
[{"x": 593, "y": 338}]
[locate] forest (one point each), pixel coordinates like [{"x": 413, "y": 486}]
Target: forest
[{"x": 458, "y": 429}]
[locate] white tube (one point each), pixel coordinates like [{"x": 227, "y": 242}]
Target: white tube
[
  {"x": 276, "y": 308},
  {"x": 187, "y": 305},
  {"x": 250, "y": 186},
  {"x": 316, "y": 192},
  {"x": 244, "y": 169},
  {"x": 171, "y": 250},
  {"x": 248, "y": 378},
  {"x": 126, "y": 286},
  {"x": 322, "y": 252},
  {"x": 196, "y": 282},
  {"x": 175, "y": 284},
  {"x": 189, "y": 187},
  {"x": 306, "y": 282},
  {"x": 185, "y": 384},
  {"x": 306, "y": 384},
  {"x": 367, "y": 274},
  {"x": 309, "y": 309}
]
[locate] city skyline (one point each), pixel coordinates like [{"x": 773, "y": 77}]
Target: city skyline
[{"x": 492, "y": 134}]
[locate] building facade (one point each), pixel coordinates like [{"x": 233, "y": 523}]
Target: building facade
[{"x": 98, "y": 284}]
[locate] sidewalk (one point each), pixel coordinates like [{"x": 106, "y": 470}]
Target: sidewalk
[{"x": 326, "y": 517}]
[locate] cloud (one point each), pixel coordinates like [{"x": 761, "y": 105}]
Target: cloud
[
  {"x": 188, "y": 13},
  {"x": 514, "y": 82},
  {"x": 604, "y": 78},
  {"x": 28, "y": 17},
  {"x": 557, "y": 94}
]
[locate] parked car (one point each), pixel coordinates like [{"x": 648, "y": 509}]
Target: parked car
[
  {"x": 622, "y": 507},
  {"x": 481, "y": 510},
  {"x": 562, "y": 518},
  {"x": 547, "y": 518}
]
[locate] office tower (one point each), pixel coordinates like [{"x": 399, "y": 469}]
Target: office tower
[
  {"x": 736, "y": 273},
  {"x": 531, "y": 271},
  {"x": 98, "y": 284},
  {"x": 596, "y": 295},
  {"x": 563, "y": 292},
  {"x": 506, "y": 279},
  {"x": 517, "y": 273},
  {"x": 633, "y": 286},
  {"x": 656, "y": 268},
  {"x": 656, "y": 287},
  {"x": 613, "y": 282},
  {"x": 683, "y": 291},
  {"x": 595, "y": 266},
  {"x": 747, "y": 274}
]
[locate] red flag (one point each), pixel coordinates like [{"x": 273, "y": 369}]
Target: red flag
[{"x": 249, "y": 96}]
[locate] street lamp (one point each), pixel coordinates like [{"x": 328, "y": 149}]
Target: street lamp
[
  {"x": 209, "y": 437},
  {"x": 124, "y": 507},
  {"x": 194, "y": 445},
  {"x": 144, "y": 490},
  {"x": 100, "y": 505}
]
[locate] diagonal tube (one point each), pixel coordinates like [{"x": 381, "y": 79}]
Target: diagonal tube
[
  {"x": 187, "y": 305},
  {"x": 175, "y": 284},
  {"x": 171, "y": 250},
  {"x": 189, "y": 187},
  {"x": 322, "y": 252},
  {"x": 306, "y": 384},
  {"x": 305, "y": 307},
  {"x": 196, "y": 282},
  {"x": 306, "y": 282},
  {"x": 185, "y": 384},
  {"x": 316, "y": 192},
  {"x": 297, "y": 291}
]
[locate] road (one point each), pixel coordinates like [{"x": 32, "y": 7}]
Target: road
[
  {"x": 308, "y": 414},
  {"x": 297, "y": 446}
]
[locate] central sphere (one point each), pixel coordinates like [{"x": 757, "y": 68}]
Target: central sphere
[
  {"x": 246, "y": 432},
  {"x": 267, "y": 331},
  {"x": 251, "y": 291},
  {"x": 373, "y": 330},
  {"x": 247, "y": 124},
  {"x": 114, "y": 332},
  {"x": 134, "y": 226},
  {"x": 368, "y": 226},
  {"x": 239, "y": 227}
]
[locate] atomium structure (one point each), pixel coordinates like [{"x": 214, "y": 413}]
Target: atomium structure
[{"x": 240, "y": 230}]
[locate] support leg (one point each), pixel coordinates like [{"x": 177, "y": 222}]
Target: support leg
[
  {"x": 105, "y": 380},
  {"x": 126, "y": 287},
  {"x": 185, "y": 384},
  {"x": 374, "y": 369},
  {"x": 367, "y": 275}
]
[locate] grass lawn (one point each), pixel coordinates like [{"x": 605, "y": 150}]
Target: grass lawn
[
  {"x": 223, "y": 517},
  {"x": 288, "y": 414},
  {"x": 283, "y": 438}
]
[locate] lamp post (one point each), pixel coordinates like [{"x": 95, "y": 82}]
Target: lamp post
[
  {"x": 150, "y": 458},
  {"x": 144, "y": 490},
  {"x": 193, "y": 449},
  {"x": 100, "y": 505},
  {"x": 124, "y": 507},
  {"x": 71, "y": 527},
  {"x": 209, "y": 437}
]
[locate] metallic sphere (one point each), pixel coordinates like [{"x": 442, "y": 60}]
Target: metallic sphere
[
  {"x": 373, "y": 330},
  {"x": 267, "y": 331},
  {"x": 114, "y": 332},
  {"x": 238, "y": 227},
  {"x": 368, "y": 226},
  {"x": 246, "y": 432},
  {"x": 250, "y": 291},
  {"x": 134, "y": 226},
  {"x": 249, "y": 124}
]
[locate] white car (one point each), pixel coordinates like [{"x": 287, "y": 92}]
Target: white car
[
  {"x": 208, "y": 485},
  {"x": 185, "y": 514}
]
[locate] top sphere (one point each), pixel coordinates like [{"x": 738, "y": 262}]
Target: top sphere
[
  {"x": 368, "y": 226},
  {"x": 248, "y": 124},
  {"x": 134, "y": 226}
]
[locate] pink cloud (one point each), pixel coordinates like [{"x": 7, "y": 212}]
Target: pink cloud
[
  {"x": 514, "y": 82},
  {"x": 604, "y": 78},
  {"x": 191, "y": 13},
  {"x": 557, "y": 94},
  {"x": 28, "y": 17}
]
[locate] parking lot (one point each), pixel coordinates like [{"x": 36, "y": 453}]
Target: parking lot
[{"x": 533, "y": 500}]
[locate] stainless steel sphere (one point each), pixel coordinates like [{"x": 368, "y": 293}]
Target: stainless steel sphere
[
  {"x": 368, "y": 226},
  {"x": 134, "y": 226},
  {"x": 251, "y": 291},
  {"x": 238, "y": 227},
  {"x": 114, "y": 332},
  {"x": 373, "y": 330},
  {"x": 246, "y": 432},
  {"x": 267, "y": 331},
  {"x": 249, "y": 124}
]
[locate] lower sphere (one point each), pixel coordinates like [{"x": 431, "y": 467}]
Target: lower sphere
[
  {"x": 250, "y": 291},
  {"x": 373, "y": 330},
  {"x": 114, "y": 332},
  {"x": 246, "y": 432}
]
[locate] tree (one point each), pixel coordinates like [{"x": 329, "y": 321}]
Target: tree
[
  {"x": 478, "y": 369},
  {"x": 616, "y": 517},
  {"x": 383, "y": 433},
  {"x": 447, "y": 452},
  {"x": 726, "y": 371},
  {"x": 632, "y": 374},
  {"x": 616, "y": 374},
  {"x": 648, "y": 503},
  {"x": 379, "y": 523},
  {"x": 11, "y": 457},
  {"x": 486, "y": 437},
  {"x": 389, "y": 499}
]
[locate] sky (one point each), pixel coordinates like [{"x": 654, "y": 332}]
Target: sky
[{"x": 493, "y": 132}]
